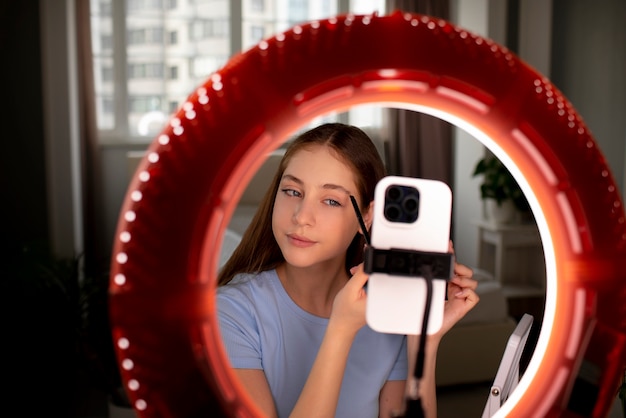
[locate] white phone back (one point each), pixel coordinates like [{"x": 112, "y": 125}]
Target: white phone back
[{"x": 395, "y": 304}]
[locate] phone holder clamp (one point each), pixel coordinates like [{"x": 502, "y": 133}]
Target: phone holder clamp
[{"x": 400, "y": 262}]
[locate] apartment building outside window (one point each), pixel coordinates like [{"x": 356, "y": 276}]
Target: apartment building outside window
[{"x": 149, "y": 55}]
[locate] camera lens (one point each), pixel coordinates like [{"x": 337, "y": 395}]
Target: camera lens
[
  {"x": 410, "y": 204},
  {"x": 394, "y": 193},
  {"x": 393, "y": 212}
]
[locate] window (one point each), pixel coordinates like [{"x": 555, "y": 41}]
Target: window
[
  {"x": 145, "y": 5},
  {"x": 107, "y": 73},
  {"x": 206, "y": 29},
  {"x": 137, "y": 36},
  {"x": 144, "y": 104},
  {"x": 149, "y": 70},
  {"x": 106, "y": 42},
  {"x": 172, "y": 73},
  {"x": 172, "y": 37},
  {"x": 257, "y": 32},
  {"x": 149, "y": 55},
  {"x": 257, "y": 5}
]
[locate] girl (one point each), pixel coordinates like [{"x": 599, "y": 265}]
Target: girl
[{"x": 291, "y": 301}]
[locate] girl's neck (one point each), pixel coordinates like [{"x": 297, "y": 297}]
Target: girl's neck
[{"x": 313, "y": 288}]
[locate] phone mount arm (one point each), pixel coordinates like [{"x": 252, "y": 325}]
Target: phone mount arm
[{"x": 420, "y": 264}]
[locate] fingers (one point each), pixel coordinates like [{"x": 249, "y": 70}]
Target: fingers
[
  {"x": 461, "y": 270},
  {"x": 464, "y": 289},
  {"x": 464, "y": 282},
  {"x": 457, "y": 306},
  {"x": 359, "y": 277},
  {"x": 467, "y": 294}
]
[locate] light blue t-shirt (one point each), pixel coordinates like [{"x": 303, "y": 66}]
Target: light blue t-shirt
[{"x": 263, "y": 328}]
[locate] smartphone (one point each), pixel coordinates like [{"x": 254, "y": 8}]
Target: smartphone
[{"x": 409, "y": 214}]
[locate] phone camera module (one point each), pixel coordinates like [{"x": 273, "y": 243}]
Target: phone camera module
[{"x": 401, "y": 204}]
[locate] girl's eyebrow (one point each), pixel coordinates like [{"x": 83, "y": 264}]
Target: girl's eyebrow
[
  {"x": 328, "y": 186},
  {"x": 336, "y": 187},
  {"x": 292, "y": 178}
]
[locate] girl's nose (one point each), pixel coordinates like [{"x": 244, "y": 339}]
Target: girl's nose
[{"x": 304, "y": 213}]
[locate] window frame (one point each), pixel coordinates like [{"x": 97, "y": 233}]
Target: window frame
[{"x": 120, "y": 132}]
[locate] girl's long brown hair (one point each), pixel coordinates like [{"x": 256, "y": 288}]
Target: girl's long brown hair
[{"x": 258, "y": 250}]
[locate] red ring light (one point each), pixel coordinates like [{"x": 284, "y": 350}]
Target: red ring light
[{"x": 186, "y": 188}]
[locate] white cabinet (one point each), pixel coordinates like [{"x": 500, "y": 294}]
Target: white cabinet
[{"x": 513, "y": 253}]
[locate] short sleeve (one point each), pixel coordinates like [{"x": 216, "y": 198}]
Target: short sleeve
[{"x": 239, "y": 329}]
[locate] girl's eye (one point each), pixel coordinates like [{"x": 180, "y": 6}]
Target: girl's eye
[
  {"x": 332, "y": 202},
  {"x": 291, "y": 192}
]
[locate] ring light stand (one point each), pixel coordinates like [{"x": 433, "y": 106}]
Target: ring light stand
[{"x": 177, "y": 207}]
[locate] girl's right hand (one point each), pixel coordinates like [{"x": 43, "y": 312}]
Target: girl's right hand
[{"x": 349, "y": 304}]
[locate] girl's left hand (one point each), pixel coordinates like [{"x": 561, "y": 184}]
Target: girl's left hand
[{"x": 462, "y": 295}]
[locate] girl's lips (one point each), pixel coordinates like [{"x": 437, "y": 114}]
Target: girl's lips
[{"x": 299, "y": 241}]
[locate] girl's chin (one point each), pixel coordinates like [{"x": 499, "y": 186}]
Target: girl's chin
[
  {"x": 308, "y": 262},
  {"x": 299, "y": 262}
]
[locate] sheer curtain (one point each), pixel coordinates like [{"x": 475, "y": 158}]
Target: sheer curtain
[{"x": 420, "y": 144}]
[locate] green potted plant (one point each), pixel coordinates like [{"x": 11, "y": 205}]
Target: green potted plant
[{"x": 500, "y": 189}]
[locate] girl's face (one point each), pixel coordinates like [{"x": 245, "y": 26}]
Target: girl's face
[{"x": 313, "y": 219}]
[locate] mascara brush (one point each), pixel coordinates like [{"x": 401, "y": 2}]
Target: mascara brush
[{"x": 366, "y": 234}]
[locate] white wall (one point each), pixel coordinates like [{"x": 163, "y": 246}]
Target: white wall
[{"x": 589, "y": 65}]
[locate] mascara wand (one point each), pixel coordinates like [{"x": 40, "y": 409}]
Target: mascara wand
[{"x": 366, "y": 234}]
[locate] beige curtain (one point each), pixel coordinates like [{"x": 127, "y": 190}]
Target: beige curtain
[
  {"x": 96, "y": 258},
  {"x": 420, "y": 145}
]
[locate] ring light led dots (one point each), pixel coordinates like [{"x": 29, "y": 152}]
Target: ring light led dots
[
  {"x": 153, "y": 157},
  {"x": 125, "y": 236},
  {"x": 162, "y": 293},
  {"x": 123, "y": 343},
  {"x": 133, "y": 385},
  {"x": 130, "y": 216},
  {"x": 121, "y": 258},
  {"x": 141, "y": 405},
  {"x": 135, "y": 196},
  {"x": 119, "y": 279},
  {"x": 127, "y": 364}
]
